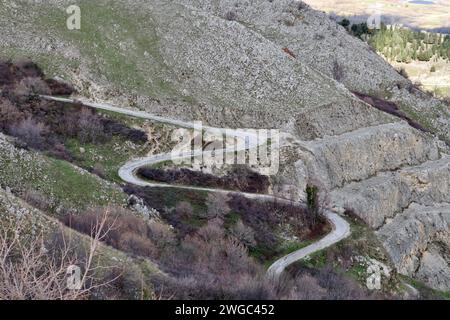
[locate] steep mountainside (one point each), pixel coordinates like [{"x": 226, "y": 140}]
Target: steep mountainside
[
  {"x": 211, "y": 66},
  {"x": 327, "y": 47},
  {"x": 266, "y": 64}
]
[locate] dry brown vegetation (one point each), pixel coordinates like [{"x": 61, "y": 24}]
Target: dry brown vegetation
[
  {"x": 45, "y": 125},
  {"x": 34, "y": 267},
  {"x": 213, "y": 265},
  {"x": 266, "y": 217},
  {"x": 127, "y": 232},
  {"x": 389, "y": 107},
  {"x": 239, "y": 178}
]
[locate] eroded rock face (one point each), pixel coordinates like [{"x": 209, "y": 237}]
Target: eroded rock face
[
  {"x": 418, "y": 241},
  {"x": 434, "y": 269},
  {"x": 383, "y": 196},
  {"x": 295, "y": 25},
  {"x": 397, "y": 179},
  {"x": 363, "y": 153}
]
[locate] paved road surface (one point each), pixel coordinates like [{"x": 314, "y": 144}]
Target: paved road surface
[{"x": 127, "y": 172}]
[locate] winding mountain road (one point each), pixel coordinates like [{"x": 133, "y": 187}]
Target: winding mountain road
[{"x": 341, "y": 229}]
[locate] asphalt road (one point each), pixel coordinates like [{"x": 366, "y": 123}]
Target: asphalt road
[{"x": 341, "y": 229}]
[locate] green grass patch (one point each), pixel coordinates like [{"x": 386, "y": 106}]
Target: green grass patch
[
  {"x": 111, "y": 155},
  {"x": 357, "y": 272},
  {"x": 169, "y": 197},
  {"x": 316, "y": 260},
  {"x": 62, "y": 183},
  {"x": 77, "y": 188},
  {"x": 286, "y": 248},
  {"x": 122, "y": 46}
]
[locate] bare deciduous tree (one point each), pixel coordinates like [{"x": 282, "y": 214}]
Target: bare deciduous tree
[
  {"x": 217, "y": 204},
  {"x": 31, "y": 269},
  {"x": 184, "y": 209},
  {"x": 9, "y": 114},
  {"x": 31, "y": 132},
  {"x": 90, "y": 128},
  {"x": 244, "y": 234},
  {"x": 36, "y": 85}
]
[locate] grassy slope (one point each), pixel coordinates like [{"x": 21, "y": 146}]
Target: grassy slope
[
  {"x": 120, "y": 45},
  {"x": 63, "y": 183},
  {"x": 110, "y": 156}
]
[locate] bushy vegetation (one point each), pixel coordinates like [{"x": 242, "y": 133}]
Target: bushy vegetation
[
  {"x": 267, "y": 219},
  {"x": 240, "y": 178},
  {"x": 260, "y": 224},
  {"x": 36, "y": 255},
  {"x": 212, "y": 265},
  {"x": 45, "y": 125},
  {"x": 126, "y": 231},
  {"x": 391, "y": 108}
]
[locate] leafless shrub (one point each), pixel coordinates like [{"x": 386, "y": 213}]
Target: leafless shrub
[
  {"x": 9, "y": 114},
  {"x": 127, "y": 231},
  {"x": 68, "y": 123},
  {"x": 27, "y": 69},
  {"x": 99, "y": 170},
  {"x": 31, "y": 132},
  {"x": 184, "y": 209},
  {"x": 209, "y": 265},
  {"x": 338, "y": 71},
  {"x": 36, "y": 86},
  {"x": 90, "y": 128},
  {"x": 136, "y": 244},
  {"x": 253, "y": 288},
  {"x": 301, "y": 6},
  {"x": 244, "y": 234},
  {"x": 29, "y": 269},
  {"x": 37, "y": 200},
  {"x": 265, "y": 216},
  {"x": 161, "y": 234},
  {"x": 20, "y": 93},
  {"x": 58, "y": 150},
  {"x": 6, "y": 74},
  {"x": 319, "y": 36},
  {"x": 239, "y": 178},
  {"x": 403, "y": 73},
  {"x": 308, "y": 288},
  {"x": 351, "y": 213},
  {"x": 129, "y": 283},
  {"x": 289, "y": 22},
  {"x": 217, "y": 204},
  {"x": 339, "y": 287},
  {"x": 59, "y": 88}
]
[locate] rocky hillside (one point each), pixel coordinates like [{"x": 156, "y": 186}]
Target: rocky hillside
[
  {"x": 276, "y": 64},
  {"x": 325, "y": 46},
  {"x": 32, "y": 225}
]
